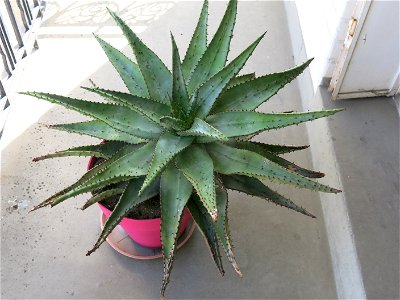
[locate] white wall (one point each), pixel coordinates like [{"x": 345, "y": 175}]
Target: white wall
[
  {"x": 323, "y": 26},
  {"x": 346, "y": 267}
]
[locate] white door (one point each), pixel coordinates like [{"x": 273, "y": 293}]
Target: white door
[{"x": 368, "y": 65}]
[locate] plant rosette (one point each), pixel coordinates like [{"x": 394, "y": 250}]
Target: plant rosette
[{"x": 185, "y": 135}]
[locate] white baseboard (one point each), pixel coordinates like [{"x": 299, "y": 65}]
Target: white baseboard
[{"x": 345, "y": 263}]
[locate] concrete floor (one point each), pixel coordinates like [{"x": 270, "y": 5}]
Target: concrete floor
[
  {"x": 281, "y": 253},
  {"x": 366, "y": 142}
]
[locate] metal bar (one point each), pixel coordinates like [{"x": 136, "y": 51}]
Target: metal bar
[
  {"x": 23, "y": 15},
  {"x": 27, "y": 10},
  {"x": 6, "y": 42},
  {"x": 14, "y": 23},
  {"x": 4, "y": 103},
  {"x": 7, "y": 46},
  {"x": 5, "y": 63},
  {"x": 2, "y": 90}
]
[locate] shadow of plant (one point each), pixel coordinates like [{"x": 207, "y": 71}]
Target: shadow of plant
[{"x": 92, "y": 13}]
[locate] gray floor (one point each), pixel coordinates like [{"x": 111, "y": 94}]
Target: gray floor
[
  {"x": 366, "y": 142},
  {"x": 282, "y": 254}
]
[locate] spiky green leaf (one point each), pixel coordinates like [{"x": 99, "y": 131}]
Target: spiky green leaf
[
  {"x": 173, "y": 123},
  {"x": 92, "y": 172},
  {"x": 221, "y": 227},
  {"x": 198, "y": 43},
  {"x": 103, "y": 196},
  {"x": 168, "y": 146},
  {"x": 117, "y": 116},
  {"x": 257, "y": 148},
  {"x": 127, "y": 69},
  {"x": 197, "y": 167},
  {"x": 228, "y": 160},
  {"x": 205, "y": 225},
  {"x": 98, "y": 129},
  {"x": 102, "y": 150},
  {"x": 214, "y": 58},
  {"x": 251, "y": 94},
  {"x": 201, "y": 128},
  {"x": 280, "y": 149},
  {"x": 210, "y": 90},
  {"x": 244, "y": 123},
  {"x": 145, "y": 106},
  {"x": 128, "y": 200},
  {"x": 254, "y": 187},
  {"x": 180, "y": 104},
  {"x": 156, "y": 75},
  {"x": 239, "y": 80},
  {"x": 175, "y": 191},
  {"x": 133, "y": 164}
]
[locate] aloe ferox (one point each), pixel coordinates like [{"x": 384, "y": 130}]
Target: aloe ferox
[{"x": 186, "y": 135}]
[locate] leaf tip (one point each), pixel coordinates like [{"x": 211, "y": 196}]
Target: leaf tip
[
  {"x": 110, "y": 11},
  {"x": 336, "y": 191},
  {"x": 35, "y": 208},
  {"x": 306, "y": 213},
  {"x": 95, "y": 247},
  {"x": 32, "y": 210},
  {"x": 307, "y": 63},
  {"x": 262, "y": 36}
]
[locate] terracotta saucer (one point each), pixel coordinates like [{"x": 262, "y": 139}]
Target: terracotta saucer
[{"x": 121, "y": 242}]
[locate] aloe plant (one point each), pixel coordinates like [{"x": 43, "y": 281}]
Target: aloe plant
[{"x": 185, "y": 135}]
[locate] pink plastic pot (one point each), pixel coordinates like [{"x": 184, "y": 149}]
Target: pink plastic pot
[{"x": 144, "y": 232}]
